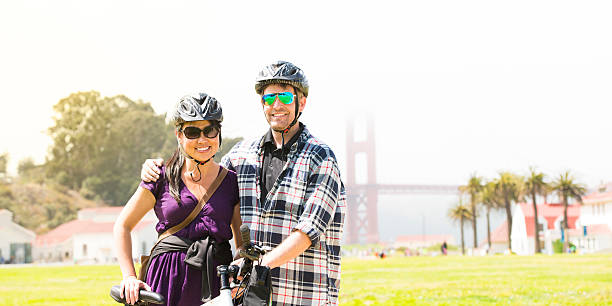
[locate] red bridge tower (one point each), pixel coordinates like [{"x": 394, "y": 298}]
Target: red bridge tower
[{"x": 362, "y": 198}]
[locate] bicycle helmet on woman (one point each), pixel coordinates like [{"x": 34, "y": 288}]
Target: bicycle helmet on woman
[{"x": 195, "y": 107}]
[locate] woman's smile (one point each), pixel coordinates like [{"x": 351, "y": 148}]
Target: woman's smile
[{"x": 203, "y": 149}]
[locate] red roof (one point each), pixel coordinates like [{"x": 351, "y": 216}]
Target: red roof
[
  {"x": 548, "y": 211},
  {"x": 551, "y": 212},
  {"x": 604, "y": 196},
  {"x": 500, "y": 234},
  {"x": 67, "y": 230},
  {"x": 595, "y": 196},
  {"x": 103, "y": 210}
]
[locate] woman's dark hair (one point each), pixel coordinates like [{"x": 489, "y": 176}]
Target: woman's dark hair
[{"x": 176, "y": 162}]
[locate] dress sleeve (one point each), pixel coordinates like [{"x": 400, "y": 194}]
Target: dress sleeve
[{"x": 154, "y": 186}]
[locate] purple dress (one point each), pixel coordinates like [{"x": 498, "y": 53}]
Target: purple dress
[{"x": 168, "y": 274}]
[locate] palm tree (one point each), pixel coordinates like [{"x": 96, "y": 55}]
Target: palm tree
[
  {"x": 490, "y": 200},
  {"x": 508, "y": 188},
  {"x": 473, "y": 188},
  {"x": 460, "y": 213},
  {"x": 567, "y": 189},
  {"x": 535, "y": 185}
]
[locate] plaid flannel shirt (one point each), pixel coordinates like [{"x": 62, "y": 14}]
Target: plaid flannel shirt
[{"x": 307, "y": 196}]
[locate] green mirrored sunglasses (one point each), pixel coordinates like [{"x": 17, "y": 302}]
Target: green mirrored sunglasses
[{"x": 283, "y": 97}]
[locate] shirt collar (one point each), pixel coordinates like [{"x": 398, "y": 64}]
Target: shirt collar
[{"x": 268, "y": 140}]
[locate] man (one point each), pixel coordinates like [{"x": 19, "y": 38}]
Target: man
[{"x": 291, "y": 194}]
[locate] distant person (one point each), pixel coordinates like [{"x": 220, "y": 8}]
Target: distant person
[
  {"x": 292, "y": 197},
  {"x": 444, "y": 248},
  {"x": 189, "y": 176},
  {"x": 1, "y": 260}
]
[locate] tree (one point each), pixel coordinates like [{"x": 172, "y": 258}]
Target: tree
[
  {"x": 3, "y": 163},
  {"x": 567, "y": 189},
  {"x": 535, "y": 185},
  {"x": 460, "y": 213},
  {"x": 25, "y": 165},
  {"x": 6, "y": 196},
  {"x": 29, "y": 172},
  {"x": 226, "y": 146},
  {"x": 473, "y": 189},
  {"x": 99, "y": 144},
  {"x": 491, "y": 201},
  {"x": 507, "y": 187},
  {"x": 79, "y": 115}
]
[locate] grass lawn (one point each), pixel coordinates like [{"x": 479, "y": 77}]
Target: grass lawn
[
  {"x": 58, "y": 285},
  {"x": 453, "y": 280},
  {"x": 456, "y": 280}
]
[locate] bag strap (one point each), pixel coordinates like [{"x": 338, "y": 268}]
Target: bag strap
[{"x": 209, "y": 192}]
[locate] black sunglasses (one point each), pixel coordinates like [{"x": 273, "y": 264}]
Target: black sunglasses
[{"x": 193, "y": 132}]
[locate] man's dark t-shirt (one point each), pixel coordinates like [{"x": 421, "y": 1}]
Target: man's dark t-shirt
[{"x": 274, "y": 160}]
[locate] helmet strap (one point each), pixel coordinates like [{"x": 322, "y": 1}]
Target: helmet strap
[
  {"x": 295, "y": 119},
  {"x": 297, "y": 114},
  {"x": 198, "y": 163}
]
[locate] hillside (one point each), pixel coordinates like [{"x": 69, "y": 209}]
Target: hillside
[{"x": 41, "y": 207}]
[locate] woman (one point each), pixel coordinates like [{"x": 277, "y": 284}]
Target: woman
[{"x": 188, "y": 176}]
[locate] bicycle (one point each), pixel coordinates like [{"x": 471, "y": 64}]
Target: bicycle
[{"x": 233, "y": 293}]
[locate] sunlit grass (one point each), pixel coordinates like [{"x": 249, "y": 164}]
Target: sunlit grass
[
  {"x": 58, "y": 285},
  {"x": 533, "y": 280},
  {"x": 453, "y": 280}
]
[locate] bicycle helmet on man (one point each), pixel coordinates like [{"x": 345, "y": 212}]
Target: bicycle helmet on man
[{"x": 282, "y": 72}]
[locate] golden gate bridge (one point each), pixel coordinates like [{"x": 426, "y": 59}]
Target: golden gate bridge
[{"x": 362, "y": 198}]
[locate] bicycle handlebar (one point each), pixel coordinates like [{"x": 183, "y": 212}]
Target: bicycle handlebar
[
  {"x": 251, "y": 253},
  {"x": 143, "y": 295}
]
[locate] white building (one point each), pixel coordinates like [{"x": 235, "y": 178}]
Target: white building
[
  {"x": 89, "y": 238},
  {"x": 550, "y": 217},
  {"x": 15, "y": 241},
  {"x": 596, "y": 221}
]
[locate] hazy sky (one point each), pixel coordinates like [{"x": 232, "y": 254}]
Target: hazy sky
[{"x": 455, "y": 86}]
